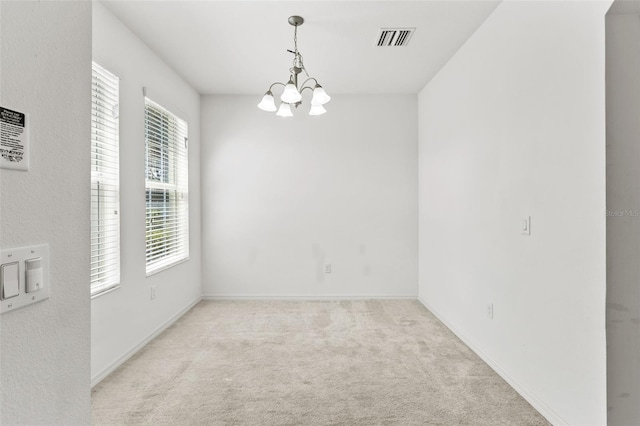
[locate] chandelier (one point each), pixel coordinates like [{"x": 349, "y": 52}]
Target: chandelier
[{"x": 292, "y": 94}]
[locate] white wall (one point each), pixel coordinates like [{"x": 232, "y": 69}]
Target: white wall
[
  {"x": 512, "y": 126},
  {"x": 623, "y": 222},
  {"x": 44, "y": 348},
  {"x": 284, "y": 196},
  {"x": 124, "y": 318}
]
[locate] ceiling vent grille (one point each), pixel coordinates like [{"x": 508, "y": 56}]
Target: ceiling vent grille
[{"x": 394, "y": 37}]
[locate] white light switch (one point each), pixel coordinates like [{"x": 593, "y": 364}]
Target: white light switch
[
  {"x": 33, "y": 269},
  {"x": 24, "y": 276},
  {"x": 10, "y": 276}
]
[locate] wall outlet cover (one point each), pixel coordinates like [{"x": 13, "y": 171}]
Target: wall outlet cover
[
  {"x": 526, "y": 225},
  {"x": 490, "y": 311}
]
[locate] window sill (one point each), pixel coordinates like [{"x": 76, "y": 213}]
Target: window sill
[
  {"x": 103, "y": 292},
  {"x": 167, "y": 266}
]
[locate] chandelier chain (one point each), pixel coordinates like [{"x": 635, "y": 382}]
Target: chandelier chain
[
  {"x": 297, "y": 57},
  {"x": 298, "y": 62}
]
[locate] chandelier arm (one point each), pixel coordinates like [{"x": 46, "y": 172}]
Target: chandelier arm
[
  {"x": 276, "y": 84},
  {"x": 306, "y": 87},
  {"x": 310, "y": 78}
]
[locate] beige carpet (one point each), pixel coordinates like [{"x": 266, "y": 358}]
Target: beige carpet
[{"x": 308, "y": 363}]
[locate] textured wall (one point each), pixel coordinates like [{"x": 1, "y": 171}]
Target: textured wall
[
  {"x": 623, "y": 219},
  {"x": 514, "y": 126},
  {"x": 124, "y": 318},
  {"x": 285, "y": 196},
  {"x": 46, "y": 72}
]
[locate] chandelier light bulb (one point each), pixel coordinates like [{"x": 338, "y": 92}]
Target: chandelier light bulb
[
  {"x": 320, "y": 97},
  {"x": 284, "y": 110},
  {"x": 317, "y": 110},
  {"x": 291, "y": 94},
  {"x": 267, "y": 103}
]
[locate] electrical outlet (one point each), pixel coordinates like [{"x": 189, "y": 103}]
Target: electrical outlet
[
  {"x": 490, "y": 311},
  {"x": 152, "y": 292},
  {"x": 526, "y": 225},
  {"x": 327, "y": 268}
]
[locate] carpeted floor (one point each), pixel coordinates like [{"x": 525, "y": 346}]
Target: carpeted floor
[{"x": 368, "y": 362}]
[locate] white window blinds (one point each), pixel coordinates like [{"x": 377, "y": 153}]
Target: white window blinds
[
  {"x": 167, "y": 188},
  {"x": 105, "y": 204}
]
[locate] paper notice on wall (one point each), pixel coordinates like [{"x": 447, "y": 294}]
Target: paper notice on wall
[{"x": 14, "y": 140}]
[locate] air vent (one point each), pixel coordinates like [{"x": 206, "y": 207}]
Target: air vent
[{"x": 394, "y": 37}]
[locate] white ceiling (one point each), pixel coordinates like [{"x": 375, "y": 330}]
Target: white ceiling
[{"x": 239, "y": 47}]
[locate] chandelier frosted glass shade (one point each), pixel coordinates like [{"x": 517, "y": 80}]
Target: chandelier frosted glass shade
[
  {"x": 292, "y": 89},
  {"x": 284, "y": 110},
  {"x": 320, "y": 97},
  {"x": 317, "y": 110},
  {"x": 267, "y": 104},
  {"x": 291, "y": 94}
]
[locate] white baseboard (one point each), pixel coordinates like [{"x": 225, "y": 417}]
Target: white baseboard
[
  {"x": 529, "y": 396},
  {"x": 307, "y": 297},
  {"x": 131, "y": 352}
]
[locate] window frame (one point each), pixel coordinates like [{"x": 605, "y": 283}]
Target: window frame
[
  {"x": 105, "y": 181},
  {"x": 166, "y": 188}
]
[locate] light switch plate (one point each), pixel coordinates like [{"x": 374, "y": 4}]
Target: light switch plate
[{"x": 20, "y": 255}]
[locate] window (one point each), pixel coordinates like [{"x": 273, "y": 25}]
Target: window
[
  {"x": 167, "y": 193},
  {"x": 105, "y": 204}
]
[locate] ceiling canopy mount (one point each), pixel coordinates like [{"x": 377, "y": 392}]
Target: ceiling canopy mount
[{"x": 296, "y": 20}]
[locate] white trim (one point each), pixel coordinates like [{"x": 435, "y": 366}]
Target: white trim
[
  {"x": 529, "y": 396},
  {"x": 167, "y": 266},
  {"x": 157, "y": 97},
  {"x": 107, "y": 291},
  {"x": 131, "y": 352},
  {"x": 306, "y": 297}
]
